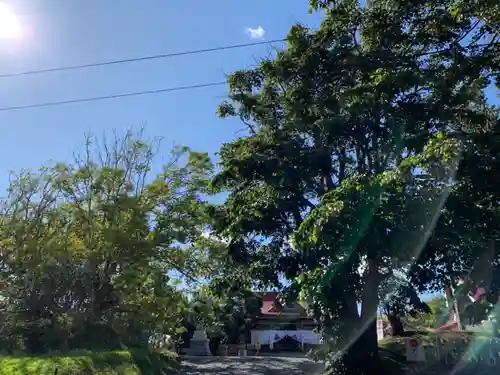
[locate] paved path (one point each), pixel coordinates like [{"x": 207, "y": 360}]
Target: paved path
[{"x": 249, "y": 366}]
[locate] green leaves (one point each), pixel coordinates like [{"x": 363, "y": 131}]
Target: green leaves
[
  {"x": 357, "y": 136},
  {"x": 227, "y": 312},
  {"x": 93, "y": 243}
]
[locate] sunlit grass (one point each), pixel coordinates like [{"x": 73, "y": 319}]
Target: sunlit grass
[{"x": 133, "y": 362}]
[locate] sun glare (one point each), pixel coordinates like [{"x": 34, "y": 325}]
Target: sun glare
[{"x": 10, "y": 28}]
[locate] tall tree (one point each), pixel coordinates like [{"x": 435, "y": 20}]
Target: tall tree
[
  {"x": 88, "y": 248},
  {"x": 348, "y": 159}
]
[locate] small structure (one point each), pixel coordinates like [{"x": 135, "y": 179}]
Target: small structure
[
  {"x": 283, "y": 327},
  {"x": 414, "y": 350},
  {"x": 198, "y": 345},
  {"x": 274, "y": 315}
]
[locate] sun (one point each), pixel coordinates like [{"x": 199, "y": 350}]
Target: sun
[{"x": 10, "y": 28}]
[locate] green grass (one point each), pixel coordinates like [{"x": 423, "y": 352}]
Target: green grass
[
  {"x": 392, "y": 349},
  {"x": 126, "y": 362},
  {"x": 428, "y": 339}
]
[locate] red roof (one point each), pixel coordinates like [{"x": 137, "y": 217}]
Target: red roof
[{"x": 269, "y": 300}]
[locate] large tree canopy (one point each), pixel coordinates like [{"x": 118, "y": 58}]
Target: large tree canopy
[{"x": 357, "y": 134}]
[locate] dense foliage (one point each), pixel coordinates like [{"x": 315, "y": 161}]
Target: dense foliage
[
  {"x": 400, "y": 300},
  {"x": 227, "y": 317},
  {"x": 89, "y": 250},
  {"x": 369, "y": 143}
]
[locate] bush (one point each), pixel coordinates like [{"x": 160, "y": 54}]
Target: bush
[{"x": 422, "y": 321}]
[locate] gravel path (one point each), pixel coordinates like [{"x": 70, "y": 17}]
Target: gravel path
[{"x": 249, "y": 366}]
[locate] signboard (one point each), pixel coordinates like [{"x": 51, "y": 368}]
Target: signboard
[{"x": 414, "y": 350}]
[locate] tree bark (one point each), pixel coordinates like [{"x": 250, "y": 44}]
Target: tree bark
[
  {"x": 458, "y": 318},
  {"x": 365, "y": 347},
  {"x": 451, "y": 301},
  {"x": 361, "y": 358},
  {"x": 356, "y": 342},
  {"x": 397, "y": 328}
]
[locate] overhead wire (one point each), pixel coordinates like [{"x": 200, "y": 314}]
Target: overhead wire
[
  {"x": 138, "y": 59},
  {"x": 113, "y": 96},
  {"x": 126, "y": 61},
  {"x": 138, "y": 93}
]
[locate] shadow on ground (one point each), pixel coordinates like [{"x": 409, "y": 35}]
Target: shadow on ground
[{"x": 250, "y": 365}]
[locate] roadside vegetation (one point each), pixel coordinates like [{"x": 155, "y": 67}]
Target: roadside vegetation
[{"x": 125, "y": 362}]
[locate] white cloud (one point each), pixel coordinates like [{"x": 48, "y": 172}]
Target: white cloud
[{"x": 257, "y": 33}]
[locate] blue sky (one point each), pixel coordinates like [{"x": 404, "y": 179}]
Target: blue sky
[
  {"x": 69, "y": 32},
  {"x": 58, "y": 33}
]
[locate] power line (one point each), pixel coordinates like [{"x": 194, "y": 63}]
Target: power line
[
  {"x": 137, "y": 59},
  {"x": 157, "y": 57},
  {"x": 115, "y": 96},
  {"x": 136, "y": 93}
]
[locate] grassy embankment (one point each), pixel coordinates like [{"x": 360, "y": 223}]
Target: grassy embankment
[{"x": 126, "y": 362}]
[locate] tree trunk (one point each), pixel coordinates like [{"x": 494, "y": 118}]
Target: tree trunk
[
  {"x": 356, "y": 334},
  {"x": 458, "y": 317},
  {"x": 369, "y": 342},
  {"x": 361, "y": 357},
  {"x": 452, "y": 303},
  {"x": 213, "y": 344},
  {"x": 397, "y": 328}
]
